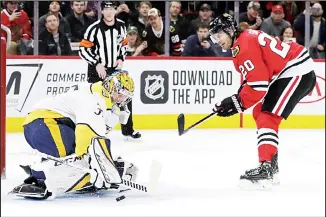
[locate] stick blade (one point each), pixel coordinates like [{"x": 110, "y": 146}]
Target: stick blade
[{"x": 181, "y": 123}]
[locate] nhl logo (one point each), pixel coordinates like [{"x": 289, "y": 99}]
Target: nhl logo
[
  {"x": 154, "y": 87},
  {"x": 119, "y": 39}
]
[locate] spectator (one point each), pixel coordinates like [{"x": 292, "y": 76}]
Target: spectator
[
  {"x": 18, "y": 22},
  {"x": 134, "y": 46},
  {"x": 205, "y": 16},
  {"x": 54, "y": 8},
  {"x": 154, "y": 34},
  {"x": 290, "y": 10},
  {"x": 317, "y": 31},
  {"x": 123, "y": 13},
  {"x": 155, "y": 38},
  {"x": 51, "y": 40},
  {"x": 180, "y": 23},
  {"x": 252, "y": 16},
  {"x": 78, "y": 21},
  {"x": 199, "y": 44},
  {"x": 139, "y": 19},
  {"x": 287, "y": 34},
  {"x": 274, "y": 24},
  {"x": 91, "y": 9}
]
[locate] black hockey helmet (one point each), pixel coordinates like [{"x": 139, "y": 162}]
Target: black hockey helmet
[
  {"x": 224, "y": 22},
  {"x": 108, "y": 4}
]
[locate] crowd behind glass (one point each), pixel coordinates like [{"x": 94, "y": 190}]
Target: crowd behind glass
[{"x": 61, "y": 24}]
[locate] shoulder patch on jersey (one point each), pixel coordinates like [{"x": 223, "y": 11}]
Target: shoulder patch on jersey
[
  {"x": 144, "y": 33},
  {"x": 236, "y": 51},
  {"x": 172, "y": 29},
  {"x": 119, "y": 39}
]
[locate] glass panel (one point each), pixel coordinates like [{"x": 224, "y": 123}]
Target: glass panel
[{"x": 73, "y": 23}]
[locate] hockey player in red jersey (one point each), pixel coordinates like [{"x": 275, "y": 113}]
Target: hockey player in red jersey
[{"x": 277, "y": 75}]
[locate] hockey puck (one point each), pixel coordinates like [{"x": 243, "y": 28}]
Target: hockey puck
[{"x": 120, "y": 198}]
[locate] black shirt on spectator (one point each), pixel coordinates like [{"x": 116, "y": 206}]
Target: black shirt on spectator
[
  {"x": 77, "y": 27},
  {"x": 135, "y": 20},
  {"x": 155, "y": 44},
  {"x": 48, "y": 46},
  {"x": 182, "y": 27},
  {"x": 63, "y": 25},
  {"x": 243, "y": 17}
]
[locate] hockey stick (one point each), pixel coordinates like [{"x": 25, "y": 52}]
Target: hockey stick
[
  {"x": 181, "y": 123},
  {"x": 155, "y": 168}
]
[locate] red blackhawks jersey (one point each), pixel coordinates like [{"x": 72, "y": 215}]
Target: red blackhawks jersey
[{"x": 262, "y": 59}]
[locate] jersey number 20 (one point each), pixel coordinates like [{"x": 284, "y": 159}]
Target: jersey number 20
[{"x": 283, "y": 51}]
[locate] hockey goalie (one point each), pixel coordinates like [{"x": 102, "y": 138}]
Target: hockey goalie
[{"x": 73, "y": 126}]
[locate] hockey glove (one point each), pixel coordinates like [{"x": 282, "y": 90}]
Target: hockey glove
[{"x": 229, "y": 106}]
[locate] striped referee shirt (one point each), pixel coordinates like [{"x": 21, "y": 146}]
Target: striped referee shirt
[{"x": 104, "y": 44}]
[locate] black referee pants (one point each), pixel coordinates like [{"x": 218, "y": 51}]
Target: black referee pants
[{"x": 126, "y": 129}]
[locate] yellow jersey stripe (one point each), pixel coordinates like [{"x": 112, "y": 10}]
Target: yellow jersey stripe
[
  {"x": 56, "y": 135},
  {"x": 32, "y": 116}
]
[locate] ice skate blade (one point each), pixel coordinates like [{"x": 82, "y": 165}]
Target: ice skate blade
[
  {"x": 130, "y": 139},
  {"x": 32, "y": 196},
  {"x": 276, "y": 179},
  {"x": 259, "y": 185}
]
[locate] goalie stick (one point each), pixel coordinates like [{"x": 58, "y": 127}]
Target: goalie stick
[
  {"x": 181, "y": 123},
  {"x": 155, "y": 171}
]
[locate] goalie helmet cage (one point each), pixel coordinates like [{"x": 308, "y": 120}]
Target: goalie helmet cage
[{"x": 3, "y": 47}]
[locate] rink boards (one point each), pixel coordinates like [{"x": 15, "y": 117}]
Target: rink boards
[{"x": 165, "y": 87}]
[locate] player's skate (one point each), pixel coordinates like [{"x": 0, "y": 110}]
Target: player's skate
[
  {"x": 134, "y": 136},
  {"x": 275, "y": 170},
  {"x": 258, "y": 178},
  {"x": 32, "y": 189}
]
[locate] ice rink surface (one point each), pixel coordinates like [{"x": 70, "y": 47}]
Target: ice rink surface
[{"x": 200, "y": 174}]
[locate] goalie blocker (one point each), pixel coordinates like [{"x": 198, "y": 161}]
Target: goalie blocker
[{"x": 106, "y": 173}]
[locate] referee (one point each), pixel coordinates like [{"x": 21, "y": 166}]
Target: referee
[{"x": 104, "y": 48}]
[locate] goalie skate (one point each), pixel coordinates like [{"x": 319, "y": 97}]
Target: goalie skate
[
  {"x": 258, "y": 178},
  {"x": 32, "y": 189}
]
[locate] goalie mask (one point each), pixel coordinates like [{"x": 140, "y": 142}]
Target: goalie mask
[{"x": 120, "y": 87}]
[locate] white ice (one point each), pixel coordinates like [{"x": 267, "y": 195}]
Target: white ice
[{"x": 200, "y": 173}]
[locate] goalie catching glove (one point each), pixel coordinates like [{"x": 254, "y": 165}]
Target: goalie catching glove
[{"x": 229, "y": 106}]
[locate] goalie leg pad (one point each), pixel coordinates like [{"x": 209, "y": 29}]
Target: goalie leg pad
[
  {"x": 101, "y": 160},
  {"x": 60, "y": 178}
]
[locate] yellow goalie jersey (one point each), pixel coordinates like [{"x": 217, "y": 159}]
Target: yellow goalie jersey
[{"x": 85, "y": 106}]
